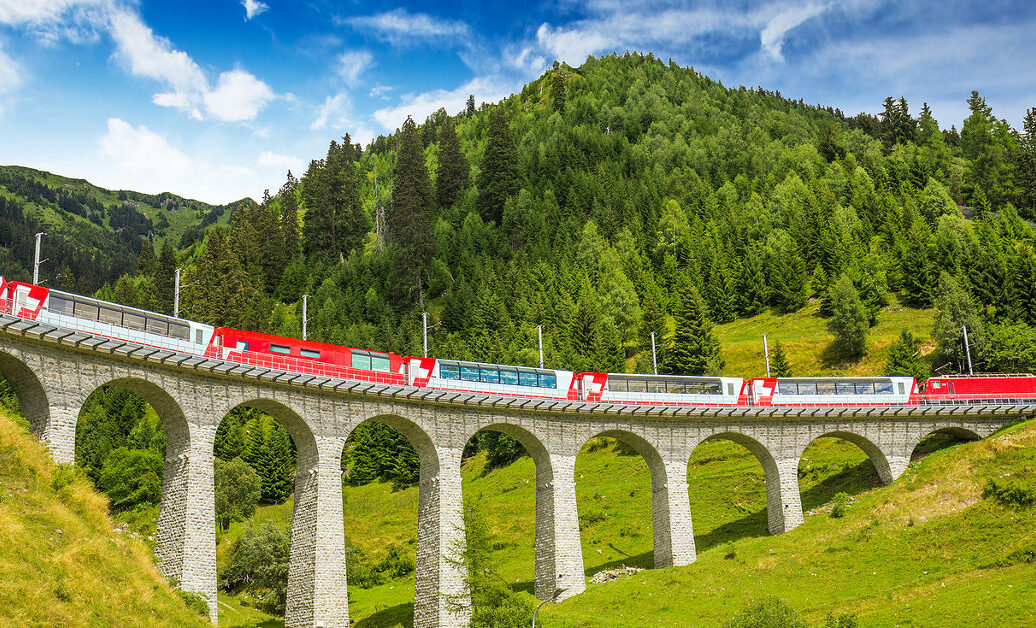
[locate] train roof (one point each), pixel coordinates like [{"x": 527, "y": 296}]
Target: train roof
[
  {"x": 863, "y": 378},
  {"x": 255, "y": 335},
  {"x": 651, "y": 376}
]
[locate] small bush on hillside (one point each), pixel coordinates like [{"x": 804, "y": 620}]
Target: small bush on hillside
[
  {"x": 847, "y": 620},
  {"x": 362, "y": 574},
  {"x": 771, "y": 612},
  {"x": 64, "y": 476},
  {"x": 195, "y": 602},
  {"x": 839, "y": 504},
  {"x": 1010, "y": 493}
]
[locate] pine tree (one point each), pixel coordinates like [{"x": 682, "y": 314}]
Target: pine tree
[
  {"x": 469, "y": 106},
  {"x": 290, "y": 217},
  {"x": 498, "y": 178},
  {"x": 904, "y": 358},
  {"x": 558, "y": 91},
  {"x": 165, "y": 270},
  {"x": 453, "y": 174},
  {"x": 1028, "y": 163},
  {"x": 146, "y": 261},
  {"x": 694, "y": 349},
  {"x": 335, "y": 222},
  {"x": 779, "y": 366},
  {"x": 410, "y": 219}
]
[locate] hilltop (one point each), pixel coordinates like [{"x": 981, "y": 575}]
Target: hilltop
[{"x": 64, "y": 562}]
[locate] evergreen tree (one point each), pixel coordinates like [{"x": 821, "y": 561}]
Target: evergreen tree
[
  {"x": 146, "y": 261},
  {"x": 694, "y": 349},
  {"x": 410, "y": 219},
  {"x": 849, "y": 320},
  {"x": 558, "y": 91},
  {"x": 335, "y": 222},
  {"x": 779, "y": 366},
  {"x": 956, "y": 310},
  {"x": 498, "y": 178},
  {"x": 469, "y": 106},
  {"x": 290, "y": 217},
  {"x": 453, "y": 174},
  {"x": 1028, "y": 164},
  {"x": 165, "y": 270},
  {"x": 904, "y": 358}
]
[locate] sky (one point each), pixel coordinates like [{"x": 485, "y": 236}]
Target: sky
[{"x": 216, "y": 100}]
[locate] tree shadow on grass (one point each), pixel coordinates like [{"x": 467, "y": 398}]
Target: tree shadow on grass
[
  {"x": 833, "y": 357},
  {"x": 399, "y": 615}
]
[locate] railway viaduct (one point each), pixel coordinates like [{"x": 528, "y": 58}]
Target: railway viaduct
[{"x": 53, "y": 371}]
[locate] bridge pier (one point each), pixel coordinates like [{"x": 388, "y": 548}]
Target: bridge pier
[
  {"x": 671, "y": 514},
  {"x": 559, "y": 552},
  {"x": 441, "y": 598},
  {"x": 185, "y": 540},
  {"x": 783, "y": 500},
  {"x": 317, "y": 593}
]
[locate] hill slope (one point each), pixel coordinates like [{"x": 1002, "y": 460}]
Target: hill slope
[
  {"x": 928, "y": 550},
  {"x": 63, "y": 562}
]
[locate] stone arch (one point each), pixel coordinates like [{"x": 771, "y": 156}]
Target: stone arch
[
  {"x": 558, "y": 562},
  {"x": 440, "y": 585},
  {"x": 953, "y": 434},
  {"x": 783, "y": 505},
  {"x": 877, "y": 456},
  {"x": 27, "y": 387},
  {"x": 669, "y": 508}
]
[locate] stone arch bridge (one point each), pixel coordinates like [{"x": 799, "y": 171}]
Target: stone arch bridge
[{"x": 53, "y": 371}]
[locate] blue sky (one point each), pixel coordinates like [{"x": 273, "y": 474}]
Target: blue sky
[{"x": 216, "y": 100}]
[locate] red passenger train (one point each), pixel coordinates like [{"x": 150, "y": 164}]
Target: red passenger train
[{"x": 86, "y": 314}]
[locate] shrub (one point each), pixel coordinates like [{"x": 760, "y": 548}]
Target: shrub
[
  {"x": 771, "y": 612},
  {"x": 259, "y": 563},
  {"x": 1010, "y": 493},
  {"x": 195, "y": 602},
  {"x": 847, "y": 620},
  {"x": 839, "y": 504},
  {"x": 64, "y": 476}
]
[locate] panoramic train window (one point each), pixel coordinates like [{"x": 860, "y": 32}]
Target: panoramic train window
[
  {"x": 281, "y": 349},
  {"x": 60, "y": 305},
  {"x": 509, "y": 377},
  {"x": 548, "y": 380},
  {"x": 528, "y": 378},
  {"x": 179, "y": 330},
  {"x": 636, "y": 385},
  {"x": 449, "y": 371},
  {"x": 489, "y": 376},
  {"x": 133, "y": 321},
  {"x": 469, "y": 373},
  {"x": 825, "y": 388},
  {"x": 380, "y": 363},
  {"x": 656, "y": 385},
  {"x": 85, "y": 310},
  {"x": 845, "y": 388},
  {"x": 361, "y": 360},
  {"x": 864, "y": 388},
  {"x": 883, "y": 388},
  {"x": 309, "y": 353},
  {"x": 110, "y": 315},
  {"x": 787, "y": 388},
  {"x": 156, "y": 326}
]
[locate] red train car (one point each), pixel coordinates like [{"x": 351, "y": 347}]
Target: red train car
[
  {"x": 303, "y": 356},
  {"x": 990, "y": 388}
]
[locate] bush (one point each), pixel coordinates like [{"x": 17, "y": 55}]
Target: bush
[
  {"x": 259, "y": 564},
  {"x": 64, "y": 476},
  {"x": 1010, "y": 493},
  {"x": 771, "y": 612},
  {"x": 195, "y": 602},
  {"x": 131, "y": 477},
  {"x": 847, "y": 620},
  {"x": 839, "y": 504}
]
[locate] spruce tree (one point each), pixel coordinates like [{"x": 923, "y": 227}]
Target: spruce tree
[
  {"x": 1028, "y": 163},
  {"x": 164, "y": 278},
  {"x": 453, "y": 174},
  {"x": 849, "y": 320},
  {"x": 469, "y": 106},
  {"x": 779, "y": 366},
  {"x": 904, "y": 358},
  {"x": 410, "y": 218},
  {"x": 290, "y": 217},
  {"x": 956, "y": 310},
  {"x": 558, "y": 91},
  {"x": 694, "y": 349},
  {"x": 146, "y": 261},
  {"x": 498, "y": 178}
]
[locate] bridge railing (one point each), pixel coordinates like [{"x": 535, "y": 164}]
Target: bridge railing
[{"x": 306, "y": 366}]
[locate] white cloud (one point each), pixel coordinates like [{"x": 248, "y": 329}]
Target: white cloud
[
  {"x": 10, "y": 74},
  {"x": 380, "y": 91},
  {"x": 571, "y": 46},
  {"x": 420, "y": 106},
  {"x": 254, "y": 8},
  {"x": 16, "y": 12},
  {"x": 401, "y": 27},
  {"x": 353, "y": 63},
  {"x": 772, "y": 36},
  {"x": 137, "y": 158},
  {"x": 337, "y": 113},
  {"x": 238, "y": 96},
  {"x": 269, "y": 159}
]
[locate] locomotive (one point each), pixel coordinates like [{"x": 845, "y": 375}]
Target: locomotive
[{"x": 94, "y": 316}]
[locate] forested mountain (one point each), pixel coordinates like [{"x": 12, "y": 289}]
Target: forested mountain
[
  {"x": 606, "y": 201},
  {"x": 93, "y": 235}
]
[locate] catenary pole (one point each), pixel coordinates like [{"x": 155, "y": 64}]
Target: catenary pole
[
  {"x": 424, "y": 333},
  {"x": 766, "y": 352},
  {"x": 539, "y": 337},
  {"x": 36, "y": 260},
  {"x": 176, "y": 293},
  {"x": 967, "y": 348},
  {"x": 654, "y": 357},
  {"x": 305, "y": 298}
]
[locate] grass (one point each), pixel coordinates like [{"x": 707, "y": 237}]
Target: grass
[
  {"x": 63, "y": 562},
  {"x": 807, "y": 341}
]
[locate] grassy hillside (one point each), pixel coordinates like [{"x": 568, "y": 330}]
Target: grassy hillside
[
  {"x": 727, "y": 493},
  {"x": 807, "y": 341},
  {"x": 928, "y": 550},
  {"x": 62, "y": 561}
]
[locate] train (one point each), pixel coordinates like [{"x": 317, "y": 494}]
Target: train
[{"x": 94, "y": 316}]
